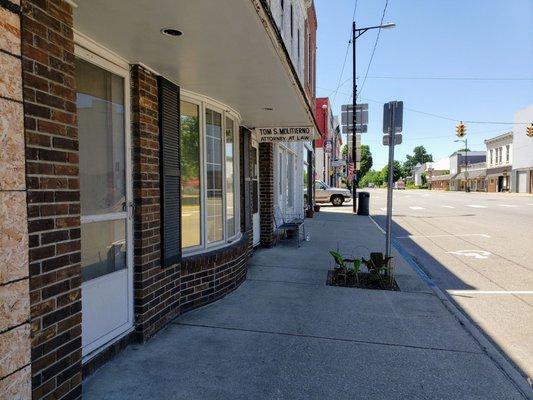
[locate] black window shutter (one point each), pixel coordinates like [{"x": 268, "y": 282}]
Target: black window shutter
[
  {"x": 170, "y": 189},
  {"x": 246, "y": 140}
]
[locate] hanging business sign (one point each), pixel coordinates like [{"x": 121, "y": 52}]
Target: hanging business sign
[{"x": 285, "y": 134}]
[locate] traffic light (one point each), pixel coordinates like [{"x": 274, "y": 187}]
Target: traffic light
[
  {"x": 460, "y": 129},
  {"x": 529, "y": 130}
]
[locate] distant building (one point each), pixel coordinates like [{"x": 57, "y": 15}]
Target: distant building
[
  {"x": 438, "y": 174},
  {"x": 467, "y": 168},
  {"x": 324, "y": 146},
  {"x": 499, "y": 162},
  {"x": 522, "y": 171}
]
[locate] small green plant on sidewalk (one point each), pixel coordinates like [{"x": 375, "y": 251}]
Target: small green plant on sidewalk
[{"x": 348, "y": 272}]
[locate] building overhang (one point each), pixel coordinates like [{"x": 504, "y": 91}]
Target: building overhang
[{"x": 230, "y": 51}]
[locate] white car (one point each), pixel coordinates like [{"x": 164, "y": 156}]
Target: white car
[{"x": 327, "y": 194}]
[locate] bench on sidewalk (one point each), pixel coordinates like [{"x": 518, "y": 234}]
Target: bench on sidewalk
[{"x": 288, "y": 222}]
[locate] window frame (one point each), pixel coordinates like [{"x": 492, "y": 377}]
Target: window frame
[{"x": 205, "y": 103}]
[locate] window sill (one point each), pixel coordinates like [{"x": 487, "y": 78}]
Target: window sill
[{"x": 214, "y": 247}]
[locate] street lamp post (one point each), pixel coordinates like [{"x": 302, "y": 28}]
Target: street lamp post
[
  {"x": 355, "y": 34},
  {"x": 465, "y": 141}
]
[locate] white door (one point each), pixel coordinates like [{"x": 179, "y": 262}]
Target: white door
[
  {"x": 254, "y": 172},
  {"x": 106, "y": 200},
  {"x": 522, "y": 182}
]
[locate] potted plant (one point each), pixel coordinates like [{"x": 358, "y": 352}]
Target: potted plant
[{"x": 316, "y": 207}]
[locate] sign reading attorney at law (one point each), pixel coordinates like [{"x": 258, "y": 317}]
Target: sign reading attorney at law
[{"x": 284, "y": 134}]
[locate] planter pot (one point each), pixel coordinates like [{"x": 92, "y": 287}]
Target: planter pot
[
  {"x": 309, "y": 213},
  {"x": 316, "y": 207}
]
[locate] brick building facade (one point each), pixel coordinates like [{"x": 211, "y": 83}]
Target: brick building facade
[{"x": 93, "y": 251}]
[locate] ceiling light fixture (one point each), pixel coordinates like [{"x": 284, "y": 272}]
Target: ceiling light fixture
[{"x": 171, "y": 32}]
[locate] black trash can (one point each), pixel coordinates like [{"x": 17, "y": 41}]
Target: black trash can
[{"x": 364, "y": 204}]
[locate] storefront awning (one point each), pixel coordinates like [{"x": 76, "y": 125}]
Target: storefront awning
[
  {"x": 477, "y": 174},
  {"x": 229, "y": 50}
]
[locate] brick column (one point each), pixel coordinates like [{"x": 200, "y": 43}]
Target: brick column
[
  {"x": 266, "y": 189},
  {"x": 52, "y": 169},
  {"x": 156, "y": 289},
  {"x": 15, "y": 348}
]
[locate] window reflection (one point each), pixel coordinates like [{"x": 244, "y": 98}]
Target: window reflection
[
  {"x": 190, "y": 175},
  {"x": 100, "y": 109},
  {"x": 214, "y": 209},
  {"x": 230, "y": 174}
]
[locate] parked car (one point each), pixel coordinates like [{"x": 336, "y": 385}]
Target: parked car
[
  {"x": 400, "y": 185},
  {"x": 327, "y": 194}
]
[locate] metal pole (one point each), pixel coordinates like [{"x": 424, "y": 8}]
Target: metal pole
[
  {"x": 466, "y": 168},
  {"x": 392, "y": 141},
  {"x": 324, "y": 145},
  {"x": 354, "y": 120}
]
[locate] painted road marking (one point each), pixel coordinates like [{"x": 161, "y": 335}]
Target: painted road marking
[
  {"x": 475, "y": 206},
  {"x": 498, "y": 292},
  {"x": 416, "y": 208},
  {"x": 448, "y": 206},
  {"x": 507, "y": 205},
  {"x": 479, "y": 254},
  {"x": 385, "y": 209},
  {"x": 435, "y": 236}
]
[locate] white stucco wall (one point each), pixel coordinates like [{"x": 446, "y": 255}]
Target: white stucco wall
[
  {"x": 284, "y": 24},
  {"x": 522, "y": 144}
]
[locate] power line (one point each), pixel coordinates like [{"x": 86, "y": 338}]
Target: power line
[
  {"x": 375, "y": 45},
  {"x": 448, "y": 78},
  {"x": 440, "y": 116}
]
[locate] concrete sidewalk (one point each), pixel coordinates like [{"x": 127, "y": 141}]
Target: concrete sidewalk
[{"x": 284, "y": 334}]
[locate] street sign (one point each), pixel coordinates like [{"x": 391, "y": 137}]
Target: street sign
[
  {"x": 398, "y": 116},
  {"x": 328, "y": 144},
  {"x": 397, "y": 139},
  {"x": 361, "y": 115},
  {"x": 338, "y": 163},
  {"x": 359, "y": 129},
  {"x": 349, "y": 107}
]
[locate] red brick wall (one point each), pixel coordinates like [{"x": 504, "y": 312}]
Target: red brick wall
[
  {"x": 15, "y": 347},
  {"x": 156, "y": 290},
  {"x": 310, "y": 55},
  {"x": 266, "y": 188},
  {"x": 53, "y": 197}
]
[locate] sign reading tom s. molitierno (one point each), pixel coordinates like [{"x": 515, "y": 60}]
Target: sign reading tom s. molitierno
[{"x": 285, "y": 134}]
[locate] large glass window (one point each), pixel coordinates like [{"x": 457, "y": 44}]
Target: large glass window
[
  {"x": 214, "y": 192},
  {"x": 210, "y": 175},
  {"x": 190, "y": 175},
  {"x": 230, "y": 177},
  {"x": 100, "y": 100},
  {"x": 290, "y": 180}
]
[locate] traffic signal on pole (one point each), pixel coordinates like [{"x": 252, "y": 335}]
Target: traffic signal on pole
[
  {"x": 529, "y": 130},
  {"x": 460, "y": 129}
]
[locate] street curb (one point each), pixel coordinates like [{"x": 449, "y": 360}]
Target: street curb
[{"x": 523, "y": 385}]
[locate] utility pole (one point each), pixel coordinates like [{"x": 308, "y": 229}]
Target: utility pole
[
  {"x": 354, "y": 121},
  {"x": 467, "y": 188}
]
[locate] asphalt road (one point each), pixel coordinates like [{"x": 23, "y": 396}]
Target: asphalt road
[{"x": 478, "y": 248}]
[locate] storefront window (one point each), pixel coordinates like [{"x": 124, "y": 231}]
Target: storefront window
[
  {"x": 230, "y": 177},
  {"x": 290, "y": 180},
  {"x": 210, "y": 175},
  {"x": 214, "y": 212},
  {"x": 190, "y": 175}
]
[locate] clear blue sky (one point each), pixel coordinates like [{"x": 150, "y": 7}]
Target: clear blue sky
[{"x": 442, "y": 38}]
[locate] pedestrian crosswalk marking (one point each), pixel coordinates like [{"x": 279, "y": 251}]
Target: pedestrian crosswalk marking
[
  {"x": 448, "y": 207},
  {"x": 416, "y": 208},
  {"x": 507, "y": 205},
  {"x": 475, "y": 206}
]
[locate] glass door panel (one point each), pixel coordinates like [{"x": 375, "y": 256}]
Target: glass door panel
[{"x": 105, "y": 202}]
